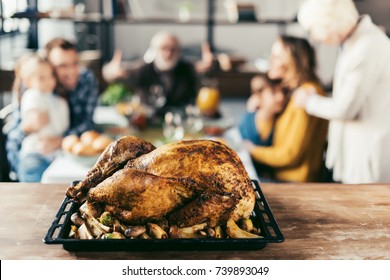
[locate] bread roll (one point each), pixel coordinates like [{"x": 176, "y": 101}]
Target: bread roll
[
  {"x": 68, "y": 142},
  {"x": 82, "y": 149},
  {"x": 100, "y": 143},
  {"x": 88, "y": 137}
]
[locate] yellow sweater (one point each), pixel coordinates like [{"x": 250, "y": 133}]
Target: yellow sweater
[{"x": 298, "y": 145}]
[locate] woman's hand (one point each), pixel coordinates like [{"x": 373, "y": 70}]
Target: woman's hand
[{"x": 302, "y": 95}]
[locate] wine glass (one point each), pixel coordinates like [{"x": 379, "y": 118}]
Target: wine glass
[
  {"x": 173, "y": 128},
  {"x": 157, "y": 97},
  {"x": 179, "y": 127},
  {"x": 193, "y": 122}
]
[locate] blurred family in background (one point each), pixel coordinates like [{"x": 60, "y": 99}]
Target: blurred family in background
[
  {"x": 39, "y": 103},
  {"x": 293, "y": 130},
  {"x": 298, "y": 139},
  {"x": 357, "y": 147},
  {"x": 77, "y": 87}
]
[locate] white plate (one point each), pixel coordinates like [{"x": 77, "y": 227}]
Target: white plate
[{"x": 87, "y": 161}]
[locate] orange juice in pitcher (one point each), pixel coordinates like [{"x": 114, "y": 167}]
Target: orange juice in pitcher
[{"x": 208, "y": 100}]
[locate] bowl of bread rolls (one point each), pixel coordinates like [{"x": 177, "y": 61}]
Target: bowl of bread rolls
[{"x": 86, "y": 148}]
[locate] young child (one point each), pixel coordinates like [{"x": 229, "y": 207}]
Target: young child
[
  {"x": 266, "y": 101},
  {"x": 39, "y": 102}
]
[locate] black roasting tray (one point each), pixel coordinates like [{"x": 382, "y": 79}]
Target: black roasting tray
[{"x": 262, "y": 218}]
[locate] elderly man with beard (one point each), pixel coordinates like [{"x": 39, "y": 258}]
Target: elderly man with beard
[{"x": 164, "y": 80}]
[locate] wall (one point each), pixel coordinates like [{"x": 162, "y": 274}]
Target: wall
[
  {"x": 248, "y": 40},
  {"x": 242, "y": 38},
  {"x": 48, "y": 28},
  {"x": 378, "y": 9},
  {"x": 245, "y": 39},
  {"x": 251, "y": 41}
]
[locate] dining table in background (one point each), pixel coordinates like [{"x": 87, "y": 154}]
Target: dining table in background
[
  {"x": 318, "y": 221},
  {"x": 67, "y": 168}
]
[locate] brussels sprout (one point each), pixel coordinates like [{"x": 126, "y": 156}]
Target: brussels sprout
[
  {"x": 107, "y": 219},
  {"x": 113, "y": 235}
]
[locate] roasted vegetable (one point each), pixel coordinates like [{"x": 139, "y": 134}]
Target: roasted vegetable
[
  {"x": 90, "y": 210},
  {"x": 113, "y": 235},
  {"x": 73, "y": 232},
  {"x": 219, "y": 232},
  {"x": 247, "y": 225},
  {"x": 156, "y": 231},
  {"x": 234, "y": 231},
  {"x": 108, "y": 226},
  {"x": 164, "y": 224},
  {"x": 96, "y": 227},
  {"x": 188, "y": 232},
  {"x": 134, "y": 231},
  {"x": 76, "y": 219},
  {"x": 84, "y": 233},
  {"x": 107, "y": 219},
  {"x": 118, "y": 226},
  {"x": 89, "y": 213},
  {"x": 211, "y": 232},
  {"x": 145, "y": 236}
]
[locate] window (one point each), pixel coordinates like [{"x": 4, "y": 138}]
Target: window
[{"x": 9, "y": 8}]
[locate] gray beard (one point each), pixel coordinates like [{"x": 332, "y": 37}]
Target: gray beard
[{"x": 163, "y": 65}]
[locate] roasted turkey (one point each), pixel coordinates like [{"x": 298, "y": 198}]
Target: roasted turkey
[
  {"x": 187, "y": 182},
  {"x": 113, "y": 158}
]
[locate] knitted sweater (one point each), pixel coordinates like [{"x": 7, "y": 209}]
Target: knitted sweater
[{"x": 298, "y": 145}]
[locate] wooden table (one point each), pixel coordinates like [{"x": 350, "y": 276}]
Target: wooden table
[{"x": 319, "y": 221}]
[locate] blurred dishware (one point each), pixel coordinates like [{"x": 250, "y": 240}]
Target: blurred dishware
[
  {"x": 157, "y": 97},
  {"x": 173, "y": 128},
  {"x": 89, "y": 144},
  {"x": 217, "y": 127},
  {"x": 193, "y": 122},
  {"x": 87, "y": 161}
]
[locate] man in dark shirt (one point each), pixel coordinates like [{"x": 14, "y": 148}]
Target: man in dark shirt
[{"x": 165, "y": 79}]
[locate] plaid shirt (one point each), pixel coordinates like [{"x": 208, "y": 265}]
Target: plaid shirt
[{"x": 82, "y": 103}]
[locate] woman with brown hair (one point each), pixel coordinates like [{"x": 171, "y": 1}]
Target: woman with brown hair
[{"x": 299, "y": 139}]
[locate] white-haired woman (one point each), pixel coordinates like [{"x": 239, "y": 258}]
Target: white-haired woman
[{"x": 359, "y": 109}]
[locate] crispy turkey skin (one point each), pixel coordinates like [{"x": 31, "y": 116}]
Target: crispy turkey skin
[
  {"x": 211, "y": 166},
  {"x": 113, "y": 158},
  {"x": 189, "y": 182},
  {"x": 136, "y": 196}
]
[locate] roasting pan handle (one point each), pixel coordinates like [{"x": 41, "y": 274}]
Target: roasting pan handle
[
  {"x": 268, "y": 219},
  {"x": 60, "y": 220}
]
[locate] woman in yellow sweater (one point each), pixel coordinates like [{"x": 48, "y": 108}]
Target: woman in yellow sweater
[{"x": 299, "y": 139}]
